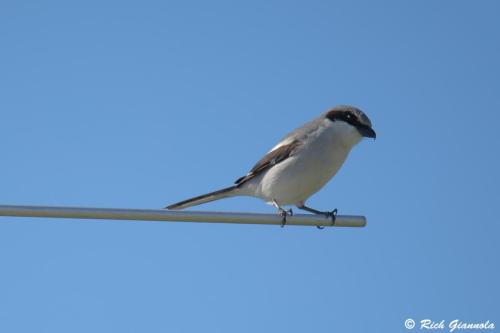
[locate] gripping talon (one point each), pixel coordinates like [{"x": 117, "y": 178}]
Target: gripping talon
[
  {"x": 332, "y": 215},
  {"x": 284, "y": 213},
  {"x": 327, "y": 214}
]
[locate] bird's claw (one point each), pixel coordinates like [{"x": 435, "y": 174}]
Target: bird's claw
[
  {"x": 332, "y": 214},
  {"x": 284, "y": 213}
]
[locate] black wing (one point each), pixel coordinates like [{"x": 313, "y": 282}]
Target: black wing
[{"x": 269, "y": 160}]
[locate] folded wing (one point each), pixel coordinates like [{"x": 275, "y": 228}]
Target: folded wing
[{"x": 269, "y": 160}]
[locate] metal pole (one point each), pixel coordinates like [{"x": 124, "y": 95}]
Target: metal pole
[{"x": 179, "y": 216}]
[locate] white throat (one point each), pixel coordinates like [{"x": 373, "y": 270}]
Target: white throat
[{"x": 344, "y": 133}]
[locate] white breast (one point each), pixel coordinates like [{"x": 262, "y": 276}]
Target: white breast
[{"x": 295, "y": 179}]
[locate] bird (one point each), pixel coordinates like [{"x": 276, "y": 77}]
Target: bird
[{"x": 300, "y": 164}]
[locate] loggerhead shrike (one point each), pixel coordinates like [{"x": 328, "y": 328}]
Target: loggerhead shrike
[{"x": 300, "y": 164}]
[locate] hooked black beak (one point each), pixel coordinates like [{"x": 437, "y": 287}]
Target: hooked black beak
[{"x": 367, "y": 132}]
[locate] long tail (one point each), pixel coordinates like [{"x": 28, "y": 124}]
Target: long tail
[{"x": 201, "y": 199}]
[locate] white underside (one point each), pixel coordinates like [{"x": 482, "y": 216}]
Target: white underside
[{"x": 294, "y": 180}]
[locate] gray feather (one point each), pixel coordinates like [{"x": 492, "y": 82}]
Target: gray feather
[{"x": 216, "y": 195}]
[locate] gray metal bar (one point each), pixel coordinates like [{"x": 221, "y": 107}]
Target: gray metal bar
[{"x": 178, "y": 216}]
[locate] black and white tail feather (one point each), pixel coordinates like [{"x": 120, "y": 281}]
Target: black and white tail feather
[{"x": 204, "y": 198}]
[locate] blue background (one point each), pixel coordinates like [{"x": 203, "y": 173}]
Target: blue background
[{"x": 141, "y": 104}]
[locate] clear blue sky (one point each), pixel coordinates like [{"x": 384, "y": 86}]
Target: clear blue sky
[{"x": 141, "y": 104}]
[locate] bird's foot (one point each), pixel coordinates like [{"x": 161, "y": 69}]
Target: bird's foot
[
  {"x": 284, "y": 213},
  {"x": 332, "y": 214}
]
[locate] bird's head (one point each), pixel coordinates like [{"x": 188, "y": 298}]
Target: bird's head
[{"x": 354, "y": 117}]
